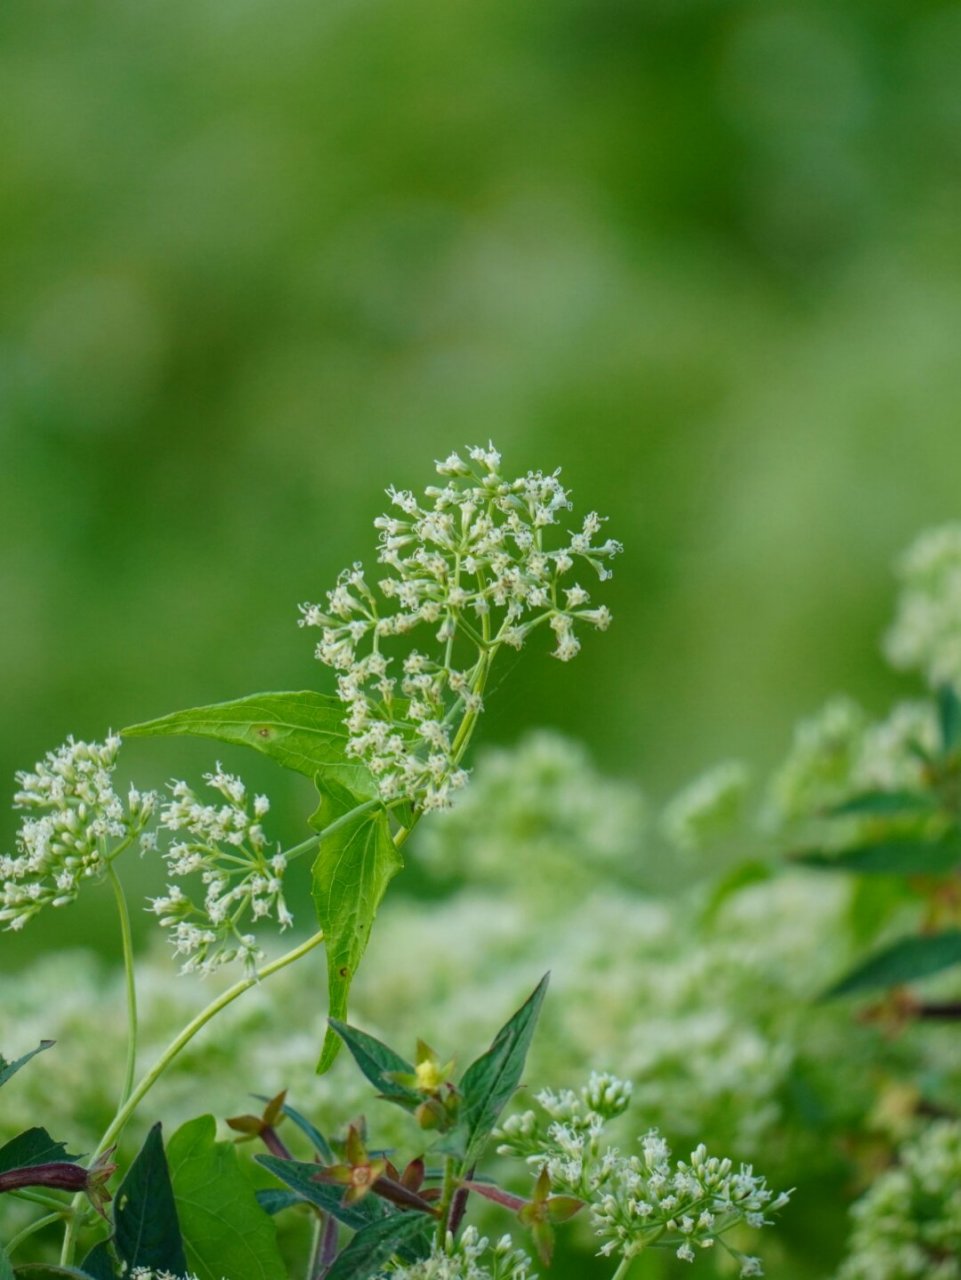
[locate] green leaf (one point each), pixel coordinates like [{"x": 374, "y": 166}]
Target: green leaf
[
  {"x": 32, "y": 1147},
  {"x": 372, "y": 1248},
  {"x": 303, "y": 731},
  {"x": 905, "y": 961},
  {"x": 885, "y": 803},
  {"x": 146, "y": 1229},
  {"x": 949, "y": 715},
  {"x": 99, "y": 1262},
  {"x": 354, "y": 865},
  {"x": 43, "y": 1270},
  {"x": 8, "y": 1069},
  {"x": 302, "y": 1178},
  {"x": 909, "y": 857},
  {"x": 377, "y": 1061},
  {"x": 275, "y": 1199},
  {"x": 225, "y": 1231},
  {"x": 489, "y": 1082}
]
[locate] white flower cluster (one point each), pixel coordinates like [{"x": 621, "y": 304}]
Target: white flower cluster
[
  {"x": 708, "y": 808},
  {"x": 145, "y": 1273},
  {"x": 474, "y": 566},
  {"x": 909, "y": 1223},
  {"x": 926, "y": 633},
  {"x": 78, "y": 823},
  {"x": 471, "y": 1257},
  {"x": 224, "y": 844},
  {"x": 637, "y": 1201}
]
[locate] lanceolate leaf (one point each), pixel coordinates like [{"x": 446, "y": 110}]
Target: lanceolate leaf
[
  {"x": 7, "y": 1069},
  {"x": 378, "y": 1062},
  {"x": 302, "y": 1178},
  {"x": 275, "y": 1199},
  {"x": 885, "y": 804},
  {"x": 907, "y": 960},
  {"x": 32, "y": 1147},
  {"x": 489, "y": 1083},
  {"x": 910, "y": 857},
  {"x": 405, "y": 1233},
  {"x": 303, "y": 731},
  {"x": 225, "y": 1231},
  {"x": 354, "y": 865},
  {"x": 310, "y": 1131},
  {"x": 146, "y": 1228}
]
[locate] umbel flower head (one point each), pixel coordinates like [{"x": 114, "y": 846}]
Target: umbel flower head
[
  {"x": 76, "y": 825},
  {"x": 471, "y": 1257},
  {"x": 223, "y": 845},
  {"x": 480, "y": 562}
]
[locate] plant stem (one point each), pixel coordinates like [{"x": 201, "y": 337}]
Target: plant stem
[
  {"x": 147, "y": 1081},
  {"x": 624, "y": 1267},
  {"x": 32, "y": 1227},
  {"x": 38, "y": 1197},
  {"x": 130, "y": 982},
  {"x": 446, "y": 1197}
]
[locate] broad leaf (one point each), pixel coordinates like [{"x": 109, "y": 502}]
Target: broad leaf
[
  {"x": 146, "y": 1229},
  {"x": 7, "y": 1069},
  {"x": 302, "y": 1178},
  {"x": 885, "y": 804},
  {"x": 44, "y": 1270},
  {"x": 949, "y": 715},
  {"x": 354, "y": 865},
  {"x": 905, "y": 961},
  {"x": 225, "y": 1231},
  {"x": 489, "y": 1082},
  {"x": 99, "y": 1262},
  {"x": 378, "y": 1062},
  {"x": 909, "y": 857},
  {"x": 303, "y": 731},
  {"x": 407, "y": 1234},
  {"x": 32, "y": 1147}
]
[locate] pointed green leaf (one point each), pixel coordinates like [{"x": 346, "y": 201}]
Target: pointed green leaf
[
  {"x": 275, "y": 1199},
  {"x": 99, "y": 1262},
  {"x": 225, "y": 1231},
  {"x": 489, "y": 1082},
  {"x": 354, "y": 865},
  {"x": 885, "y": 803},
  {"x": 303, "y": 731},
  {"x": 44, "y": 1270},
  {"x": 8, "y": 1069},
  {"x": 909, "y": 857},
  {"x": 377, "y": 1062},
  {"x": 949, "y": 715},
  {"x": 32, "y": 1147},
  {"x": 907, "y": 960},
  {"x": 146, "y": 1228},
  {"x": 302, "y": 1178},
  {"x": 407, "y": 1234}
]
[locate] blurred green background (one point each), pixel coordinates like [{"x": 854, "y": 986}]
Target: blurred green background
[{"x": 262, "y": 259}]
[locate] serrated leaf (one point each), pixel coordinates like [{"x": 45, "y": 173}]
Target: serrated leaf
[
  {"x": 907, "y": 960},
  {"x": 909, "y": 857},
  {"x": 490, "y": 1081},
  {"x": 949, "y": 716},
  {"x": 32, "y": 1147},
  {"x": 302, "y": 730},
  {"x": 8, "y": 1069},
  {"x": 885, "y": 803},
  {"x": 146, "y": 1227},
  {"x": 407, "y": 1234},
  {"x": 302, "y": 1178},
  {"x": 377, "y": 1062},
  {"x": 225, "y": 1232},
  {"x": 354, "y": 865},
  {"x": 309, "y": 1130}
]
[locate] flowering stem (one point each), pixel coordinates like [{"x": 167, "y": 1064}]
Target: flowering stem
[
  {"x": 28, "y": 1230},
  {"x": 130, "y": 980},
  {"x": 624, "y": 1267},
  {"x": 147, "y": 1081},
  {"x": 446, "y": 1196}
]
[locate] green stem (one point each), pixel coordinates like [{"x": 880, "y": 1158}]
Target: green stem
[
  {"x": 130, "y": 982},
  {"x": 446, "y": 1196},
  {"x": 38, "y": 1197},
  {"x": 40, "y": 1223},
  {"x": 147, "y": 1081},
  {"x": 624, "y": 1267}
]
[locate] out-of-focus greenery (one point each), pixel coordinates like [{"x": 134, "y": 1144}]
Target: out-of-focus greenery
[{"x": 262, "y": 259}]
